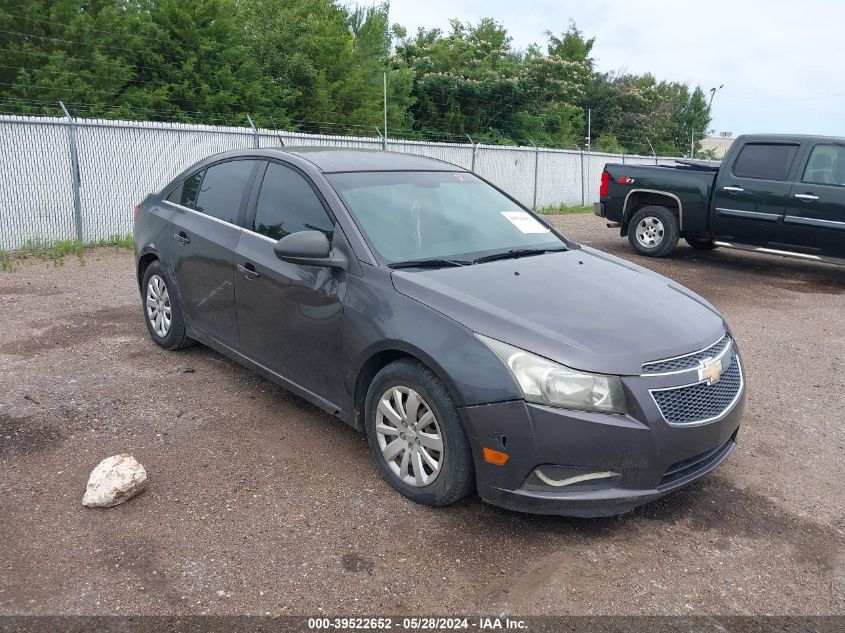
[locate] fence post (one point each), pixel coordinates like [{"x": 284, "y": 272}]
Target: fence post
[
  {"x": 279, "y": 136},
  {"x": 74, "y": 177},
  {"x": 474, "y": 148},
  {"x": 536, "y": 167},
  {"x": 583, "y": 182},
  {"x": 383, "y": 139},
  {"x": 254, "y": 131},
  {"x": 623, "y": 159}
]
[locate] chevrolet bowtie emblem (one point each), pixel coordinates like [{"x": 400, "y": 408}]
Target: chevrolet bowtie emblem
[{"x": 710, "y": 370}]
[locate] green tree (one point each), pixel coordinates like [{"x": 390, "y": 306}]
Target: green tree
[
  {"x": 608, "y": 142},
  {"x": 318, "y": 65}
]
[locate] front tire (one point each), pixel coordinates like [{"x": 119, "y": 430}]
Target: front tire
[
  {"x": 162, "y": 310},
  {"x": 654, "y": 231},
  {"x": 416, "y": 436}
]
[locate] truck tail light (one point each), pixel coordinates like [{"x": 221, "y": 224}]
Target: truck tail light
[
  {"x": 137, "y": 211},
  {"x": 605, "y": 184}
]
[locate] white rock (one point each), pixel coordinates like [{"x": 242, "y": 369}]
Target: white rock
[{"x": 115, "y": 479}]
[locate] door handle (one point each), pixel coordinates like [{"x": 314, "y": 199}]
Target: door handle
[
  {"x": 248, "y": 271},
  {"x": 807, "y": 196},
  {"x": 182, "y": 238},
  {"x": 733, "y": 189}
]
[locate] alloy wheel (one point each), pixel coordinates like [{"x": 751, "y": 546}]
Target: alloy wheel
[{"x": 650, "y": 232}]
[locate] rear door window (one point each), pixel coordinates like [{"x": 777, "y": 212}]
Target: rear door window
[
  {"x": 222, "y": 190},
  {"x": 287, "y": 204},
  {"x": 765, "y": 161},
  {"x": 186, "y": 192}
]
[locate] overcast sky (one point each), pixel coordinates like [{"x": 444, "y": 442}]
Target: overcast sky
[{"x": 781, "y": 61}]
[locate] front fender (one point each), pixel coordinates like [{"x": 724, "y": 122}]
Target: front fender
[{"x": 376, "y": 322}]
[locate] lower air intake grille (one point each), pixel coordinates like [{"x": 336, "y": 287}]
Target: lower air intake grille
[{"x": 683, "y": 469}]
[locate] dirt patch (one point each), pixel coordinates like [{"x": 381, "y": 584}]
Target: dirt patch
[
  {"x": 355, "y": 563},
  {"x": 812, "y": 287},
  {"x": 27, "y": 435},
  {"x": 15, "y": 290},
  {"x": 83, "y": 328}
]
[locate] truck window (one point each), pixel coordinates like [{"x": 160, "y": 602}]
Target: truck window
[
  {"x": 826, "y": 165},
  {"x": 766, "y": 161}
]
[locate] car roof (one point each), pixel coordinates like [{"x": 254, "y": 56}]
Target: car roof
[
  {"x": 750, "y": 138},
  {"x": 338, "y": 159}
]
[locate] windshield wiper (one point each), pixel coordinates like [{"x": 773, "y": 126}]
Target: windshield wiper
[
  {"x": 516, "y": 252},
  {"x": 429, "y": 263}
]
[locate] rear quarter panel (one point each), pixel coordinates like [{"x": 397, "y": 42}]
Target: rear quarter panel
[{"x": 151, "y": 234}]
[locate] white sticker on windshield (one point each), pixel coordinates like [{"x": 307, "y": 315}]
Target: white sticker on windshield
[{"x": 524, "y": 222}]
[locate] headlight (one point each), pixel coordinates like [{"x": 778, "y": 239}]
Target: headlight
[{"x": 546, "y": 382}]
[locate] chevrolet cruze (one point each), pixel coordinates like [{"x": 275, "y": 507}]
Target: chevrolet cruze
[{"x": 477, "y": 347}]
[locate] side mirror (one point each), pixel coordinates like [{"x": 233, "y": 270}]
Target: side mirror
[{"x": 309, "y": 248}]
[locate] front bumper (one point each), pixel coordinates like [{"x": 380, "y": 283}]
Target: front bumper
[{"x": 652, "y": 457}]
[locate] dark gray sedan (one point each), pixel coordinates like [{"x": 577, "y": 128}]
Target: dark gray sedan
[{"x": 476, "y": 347}]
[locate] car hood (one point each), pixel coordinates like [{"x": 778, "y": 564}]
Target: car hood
[{"x": 583, "y": 308}]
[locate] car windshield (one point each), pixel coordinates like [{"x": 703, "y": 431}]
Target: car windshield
[{"x": 415, "y": 215}]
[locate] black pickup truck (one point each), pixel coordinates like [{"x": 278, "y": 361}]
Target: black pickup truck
[{"x": 782, "y": 195}]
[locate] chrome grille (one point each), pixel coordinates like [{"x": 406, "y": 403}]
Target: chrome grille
[
  {"x": 698, "y": 403},
  {"x": 687, "y": 362}
]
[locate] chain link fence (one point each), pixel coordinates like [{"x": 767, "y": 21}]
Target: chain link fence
[{"x": 67, "y": 178}]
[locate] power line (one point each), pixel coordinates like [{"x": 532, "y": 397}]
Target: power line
[
  {"x": 85, "y": 59},
  {"x": 92, "y": 44},
  {"x": 128, "y": 79},
  {"x": 816, "y": 98},
  {"x": 76, "y": 107},
  {"x": 500, "y": 118},
  {"x": 64, "y": 24},
  {"x": 375, "y": 93}
]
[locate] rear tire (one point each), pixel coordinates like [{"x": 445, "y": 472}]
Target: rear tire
[
  {"x": 409, "y": 415},
  {"x": 162, "y": 310},
  {"x": 700, "y": 243},
  {"x": 654, "y": 231}
]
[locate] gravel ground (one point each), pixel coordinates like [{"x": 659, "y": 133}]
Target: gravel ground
[{"x": 259, "y": 503}]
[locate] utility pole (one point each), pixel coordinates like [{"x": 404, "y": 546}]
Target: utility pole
[
  {"x": 589, "y": 128},
  {"x": 385, "y": 110},
  {"x": 713, "y": 92}
]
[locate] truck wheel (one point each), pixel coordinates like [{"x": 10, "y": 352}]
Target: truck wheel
[
  {"x": 700, "y": 243},
  {"x": 654, "y": 231}
]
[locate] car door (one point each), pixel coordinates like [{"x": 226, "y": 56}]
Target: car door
[
  {"x": 753, "y": 191},
  {"x": 815, "y": 215},
  {"x": 289, "y": 316},
  {"x": 202, "y": 245}
]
